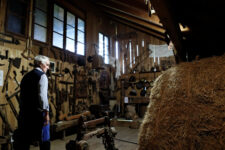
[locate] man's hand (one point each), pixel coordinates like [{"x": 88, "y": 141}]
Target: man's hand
[{"x": 46, "y": 118}]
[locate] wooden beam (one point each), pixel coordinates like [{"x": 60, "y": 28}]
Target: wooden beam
[
  {"x": 171, "y": 26},
  {"x": 138, "y": 4},
  {"x": 134, "y": 25},
  {"x": 129, "y": 7},
  {"x": 135, "y": 21},
  {"x": 137, "y": 27},
  {"x": 126, "y": 13},
  {"x": 4, "y": 139},
  {"x": 62, "y": 125}
]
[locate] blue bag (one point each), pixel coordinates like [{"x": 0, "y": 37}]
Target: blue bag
[{"x": 46, "y": 133}]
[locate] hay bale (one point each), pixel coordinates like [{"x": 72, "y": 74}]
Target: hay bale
[{"x": 187, "y": 108}]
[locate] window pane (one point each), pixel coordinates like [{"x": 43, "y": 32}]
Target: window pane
[
  {"x": 100, "y": 37},
  {"x": 58, "y": 26},
  {"x": 137, "y": 50},
  {"x": 41, "y": 4},
  {"x": 106, "y": 59},
  {"x": 80, "y": 48},
  {"x": 16, "y": 24},
  {"x": 80, "y": 24},
  {"x": 80, "y": 36},
  {"x": 133, "y": 54},
  {"x": 16, "y": 16},
  {"x": 70, "y": 45},
  {"x": 39, "y": 33},
  {"x": 106, "y": 54},
  {"x": 18, "y": 7},
  {"x": 100, "y": 49},
  {"x": 70, "y": 19},
  {"x": 100, "y": 44},
  {"x": 70, "y": 32},
  {"x": 130, "y": 50},
  {"x": 123, "y": 66},
  {"x": 40, "y": 18},
  {"x": 58, "y": 12},
  {"x": 117, "y": 50},
  {"x": 106, "y": 39},
  {"x": 57, "y": 40}
]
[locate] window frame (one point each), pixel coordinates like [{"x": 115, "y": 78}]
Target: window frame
[
  {"x": 104, "y": 35},
  {"x": 49, "y": 35},
  {"x": 130, "y": 53},
  {"x": 26, "y": 27},
  {"x": 64, "y": 30},
  {"x": 50, "y": 26},
  {"x": 77, "y": 35},
  {"x": 48, "y": 18}
]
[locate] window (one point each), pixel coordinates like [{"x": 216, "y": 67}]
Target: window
[
  {"x": 106, "y": 56},
  {"x": 16, "y": 19},
  {"x": 80, "y": 37},
  {"x": 137, "y": 50},
  {"x": 40, "y": 20},
  {"x": 130, "y": 51},
  {"x": 123, "y": 63},
  {"x": 101, "y": 43},
  {"x": 143, "y": 43},
  {"x": 117, "y": 50},
  {"x": 68, "y": 31},
  {"x": 104, "y": 47},
  {"x": 134, "y": 56},
  {"x": 58, "y": 26}
]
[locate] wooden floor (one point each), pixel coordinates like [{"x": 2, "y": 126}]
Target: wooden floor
[{"x": 123, "y": 133}]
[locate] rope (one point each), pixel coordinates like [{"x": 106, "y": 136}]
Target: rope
[{"x": 125, "y": 141}]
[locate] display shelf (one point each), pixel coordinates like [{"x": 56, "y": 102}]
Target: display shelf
[{"x": 138, "y": 100}]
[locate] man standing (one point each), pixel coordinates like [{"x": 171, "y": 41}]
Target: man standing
[{"x": 33, "y": 122}]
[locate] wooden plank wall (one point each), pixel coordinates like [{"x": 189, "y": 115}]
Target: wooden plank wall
[{"x": 96, "y": 22}]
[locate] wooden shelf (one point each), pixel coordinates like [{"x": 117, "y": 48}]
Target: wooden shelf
[
  {"x": 138, "y": 100},
  {"x": 4, "y": 139}
]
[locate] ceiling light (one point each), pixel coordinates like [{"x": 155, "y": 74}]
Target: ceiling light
[{"x": 183, "y": 28}]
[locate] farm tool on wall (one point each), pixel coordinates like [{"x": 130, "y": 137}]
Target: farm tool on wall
[
  {"x": 12, "y": 62},
  {"x": 28, "y": 48},
  {"x": 4, "y": 118},
  {"x": 16, "y": 94},
  {"x": 6, "y": 38}
]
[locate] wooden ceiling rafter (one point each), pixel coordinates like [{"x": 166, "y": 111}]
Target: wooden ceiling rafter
[
  {"x": 171, "y": 27},
  {"x": 126, "y": 7},
  {"x": 136, "y": 22},
  {"x": 137, "y": 27},
  {"x": 141, "y": 23},
  {"x": 128, "y": 13},
  {"x": 138, "y": 4}
]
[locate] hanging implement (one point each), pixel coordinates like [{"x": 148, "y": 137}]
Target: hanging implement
[
  {"x": 8, "y": 39},
  {"x": 28, "y": 48},
  {"x": 16, "y": 63}
]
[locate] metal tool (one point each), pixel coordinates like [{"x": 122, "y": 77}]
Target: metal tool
[
  {"x": 16, "y": 63},
  {"x": 5, "y": 120},
  {"x": 9, "y": 39},
  {"x": 6, "y": 55},
  {"x": 23, "y": 71},
  {"x": 18, "y": 85},
  {"x": 11, "y": 104}
]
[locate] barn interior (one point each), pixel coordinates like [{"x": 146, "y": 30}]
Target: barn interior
[{"x": 105, "y": 56}]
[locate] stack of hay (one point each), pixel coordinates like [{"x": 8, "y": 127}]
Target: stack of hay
[{"x": 187, "y": 108}]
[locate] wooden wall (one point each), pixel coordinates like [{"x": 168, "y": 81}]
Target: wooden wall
[{"x": 96, "y": 22}]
